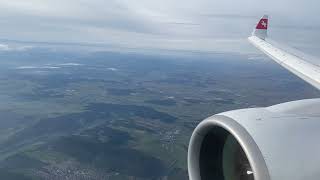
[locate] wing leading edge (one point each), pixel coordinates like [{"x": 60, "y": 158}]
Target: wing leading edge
[{"x": 303, "y": 69}]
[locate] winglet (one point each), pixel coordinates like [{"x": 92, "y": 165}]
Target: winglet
[{"x": 261, "y": 29}]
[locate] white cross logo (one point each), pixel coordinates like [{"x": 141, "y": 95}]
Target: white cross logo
[{"x": 264, "y": 24}]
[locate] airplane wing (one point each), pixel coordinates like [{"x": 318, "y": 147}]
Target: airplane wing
[
  {"x": 279, "y": 142},
  {"x": 305, "y": 70}
]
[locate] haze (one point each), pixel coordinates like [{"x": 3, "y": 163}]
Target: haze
[{"x": 188, "y": 25}]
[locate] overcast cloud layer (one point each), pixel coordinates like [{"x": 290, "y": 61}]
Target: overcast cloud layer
[{"x": 191, "y": 25}]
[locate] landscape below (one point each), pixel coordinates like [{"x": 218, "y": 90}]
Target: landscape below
[{"x": 106, "y": 115}]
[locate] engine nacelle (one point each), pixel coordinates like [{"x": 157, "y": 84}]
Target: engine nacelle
[{"x": 280, "y": 142}]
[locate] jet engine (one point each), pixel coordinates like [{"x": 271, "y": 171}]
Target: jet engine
[{"x": 280, "y": 142}]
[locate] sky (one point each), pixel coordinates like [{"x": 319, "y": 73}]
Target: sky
[{"x": 173, "y": 25}]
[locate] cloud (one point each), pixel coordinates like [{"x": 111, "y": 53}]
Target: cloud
[
  {"x": 6, "y": 47},
  {"x": 38, "y": 67},
  {"x": 191, "y": 25}
]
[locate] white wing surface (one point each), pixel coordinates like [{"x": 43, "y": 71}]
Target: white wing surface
[{"x": 300, "y": 67}]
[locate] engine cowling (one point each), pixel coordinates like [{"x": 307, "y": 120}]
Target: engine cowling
[{"x": 280, "y": 142}]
